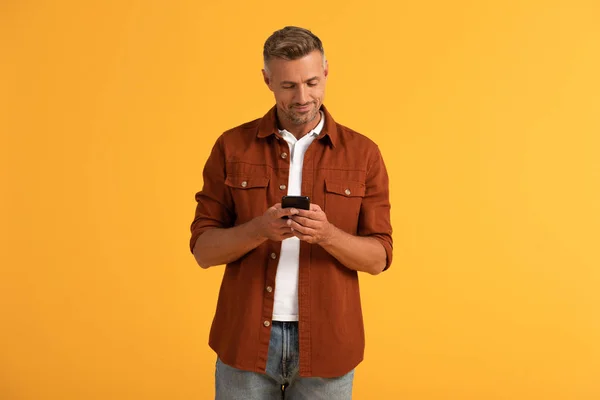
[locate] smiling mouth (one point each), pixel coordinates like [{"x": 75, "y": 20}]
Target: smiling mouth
[{"x": 302, "y": 108}]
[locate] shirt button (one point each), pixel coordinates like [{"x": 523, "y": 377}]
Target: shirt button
[
  {"x": 347, "y": 191},
  {"x": 269, "y": 289},
  {"x": 273, "y": 256},
  {"x": 284, "y": 155},
  {"x": 244, "y": 184},
  {"x": 266, "y": 323},
  {"x": 282, "y": 187}
]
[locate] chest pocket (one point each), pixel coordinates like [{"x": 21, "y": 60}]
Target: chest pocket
[
  {"x": 342, "y": 203},
  {"x": 249, "y": 196}
]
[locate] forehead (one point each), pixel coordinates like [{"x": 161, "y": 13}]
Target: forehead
[{"x": 302, "y": 68}]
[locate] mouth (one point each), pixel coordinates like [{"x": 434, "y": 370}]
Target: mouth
[{"x": 303, "y": 108}]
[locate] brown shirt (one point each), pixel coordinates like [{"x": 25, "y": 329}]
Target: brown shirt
[{"x": 344, "y": 173}]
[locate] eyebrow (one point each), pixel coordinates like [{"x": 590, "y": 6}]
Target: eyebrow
[{"x": 294, "y": 83}]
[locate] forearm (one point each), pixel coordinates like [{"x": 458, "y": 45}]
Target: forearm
[
  {"x": 221, "y": 246},
  {"x": 359, "y": 253}
]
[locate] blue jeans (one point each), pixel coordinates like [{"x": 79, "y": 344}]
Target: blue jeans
[{"x": 281, "y": 380}]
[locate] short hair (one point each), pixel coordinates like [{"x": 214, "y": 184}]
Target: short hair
[{"x": 291, "y": 43}]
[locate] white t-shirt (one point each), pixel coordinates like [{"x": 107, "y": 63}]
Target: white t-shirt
[{"x": 286, "y": 280}]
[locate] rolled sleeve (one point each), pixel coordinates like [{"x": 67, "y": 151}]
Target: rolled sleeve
[
  {"x": 374, "y": 219},
  {"x": 215, "y": 206}
]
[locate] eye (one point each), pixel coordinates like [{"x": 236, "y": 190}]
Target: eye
[{"x": 313, "y": 83}]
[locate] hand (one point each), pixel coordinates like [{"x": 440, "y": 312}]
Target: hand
[
  {"x": 272, "y": 225},
  {"x": 311, "y": 225}
]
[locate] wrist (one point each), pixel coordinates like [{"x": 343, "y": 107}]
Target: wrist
[
  {"x": 330, "y": 237},
  {"x": 257, "y": 229}
]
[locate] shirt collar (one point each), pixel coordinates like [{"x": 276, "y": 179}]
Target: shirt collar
[
  {"x": 315, "y": 131},
  {"x": 327, "y": 127}
]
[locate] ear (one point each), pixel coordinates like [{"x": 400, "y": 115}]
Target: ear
[
  {"x": 267, "y": 79},
  {"x": 326, "y": 69}
]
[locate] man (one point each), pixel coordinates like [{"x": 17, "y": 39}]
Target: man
[{"x": 288, "y": 319}]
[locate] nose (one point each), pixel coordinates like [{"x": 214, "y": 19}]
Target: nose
[{"x": 302, "y": 95}]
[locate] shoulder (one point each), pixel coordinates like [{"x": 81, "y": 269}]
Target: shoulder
[
  {"x": 350, "y": 136},
  {"x": 244, "y": 130},
  {"x": 238, "y": 137},
  {"x": 356, "y": 144}
]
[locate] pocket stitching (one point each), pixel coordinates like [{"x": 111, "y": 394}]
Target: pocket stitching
[
  {"x": 237, "y": 182},
  {"x": 357, "y": 189}
]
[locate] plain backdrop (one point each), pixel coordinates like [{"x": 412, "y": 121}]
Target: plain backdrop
[{"x": 487, "y": 114}]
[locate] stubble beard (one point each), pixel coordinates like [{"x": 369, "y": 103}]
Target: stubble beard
[{"x": 300, "y": 119}]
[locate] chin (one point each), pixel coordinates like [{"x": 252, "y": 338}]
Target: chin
[{"x": 306, "y": 119}]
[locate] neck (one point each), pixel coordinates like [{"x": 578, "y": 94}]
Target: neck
[{"x": 301, "y": 130}]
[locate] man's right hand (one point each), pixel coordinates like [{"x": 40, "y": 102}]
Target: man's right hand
[{"x": 272, "y": 225}]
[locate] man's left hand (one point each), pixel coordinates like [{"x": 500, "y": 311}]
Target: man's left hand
[{"x": 311, "y": 225}]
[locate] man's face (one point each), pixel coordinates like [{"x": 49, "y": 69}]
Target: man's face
[{"x": 298, "y": 86}]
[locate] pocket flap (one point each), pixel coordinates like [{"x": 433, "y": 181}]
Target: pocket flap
[
  {"x": 246, "y": 182},
  {"x": 348, "y": 188}
]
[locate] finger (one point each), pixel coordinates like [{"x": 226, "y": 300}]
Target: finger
[
  {"x": 302, "y": 229},
  {"x": 286, "y": 212},
  {"x": 274, "y": 210},
  {"x": 307, "y": 222},
  {"x": 283, "y": 223},
  {"x": 314, "y": 215},
  {"x": 305, "y": 238},
  {"x": 289, "y": 232},
  {"x": 305, "y": 213},
  {"x": 284, "y": 229},
  {"x": 315, "y": 207}
]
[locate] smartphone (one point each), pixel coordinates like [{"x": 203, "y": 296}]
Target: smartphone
[{"x": 299, "y": 202}]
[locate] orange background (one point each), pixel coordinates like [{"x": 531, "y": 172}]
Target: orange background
[{"x": 488, "y": 116}]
